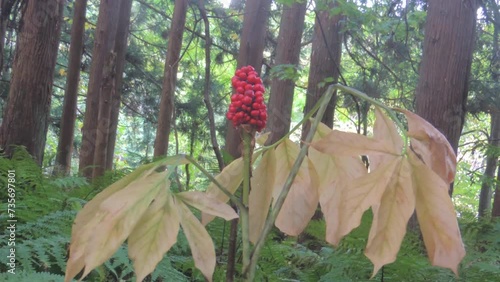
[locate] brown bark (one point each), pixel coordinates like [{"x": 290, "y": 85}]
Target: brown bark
[
  {"x": 120, "y": 51},
  {"x": 26, "y": 117},
  {"x": 491, "y": 165},
  {"x": 325, "y": 62},
  {"x": 252, "y": 44},
  {"x": 170, "y": 77},
  {"x": 66, "y": 137},
  {"x": 287, "y": 52},
  {"x": 105, "y": 34},
  {"x": 441, "y": 92},
  {"x": 6, "y": 9}
]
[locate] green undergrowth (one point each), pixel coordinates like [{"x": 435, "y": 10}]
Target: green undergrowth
[{"x": 46, "y": 207}]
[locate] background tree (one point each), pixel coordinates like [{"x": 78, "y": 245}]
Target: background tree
[
  {"x": 170, "y": 77},
  {"x": 442, "y": 88},
  {"x": 104, "y": 41},
  {"x": 325, "y": 57},
  {"x": 109, "y": 103},
  {"x": 26, "y": 118},
  {"x": 66, "y": 136},
  {"x": 287, "y": 60}
]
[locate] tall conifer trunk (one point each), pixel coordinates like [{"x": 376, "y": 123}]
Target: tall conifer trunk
[
  {"x": 26, "y": 118},
  {"x": 105, "y": 34},
  {"x": 66, "y": 137},
  {"x": 442, "y": 89}
]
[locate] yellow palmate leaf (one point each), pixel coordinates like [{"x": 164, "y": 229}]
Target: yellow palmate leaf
[
  {"x": 231, "y": 178},
  {"x": 154, "y": 235},
  {"x": 431, "y": 146},
  {"x": 355, "y": 198},
  {"x": 260, "y": 197},
  {"x": 89, "y": 217},
  {"x": 385, "y": 131},
  {"x": 122, "y": 211},
  {"x": 207, "y": 204},
  {"x": 341, "y": 143},
  {"x": 391, "y": 216},
  {"x": 302, "y": 199},
  {"x": 436, "y": 216},
  {"x": 200, "y": 242}
]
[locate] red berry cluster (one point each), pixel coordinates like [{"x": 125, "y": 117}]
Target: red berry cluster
[{"x": 247, "y": 105}]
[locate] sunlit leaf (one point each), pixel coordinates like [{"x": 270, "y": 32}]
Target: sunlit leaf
[
  {"x": 436, "y": 216},
  {"x": 207, "y": 204},
  {"x": 431, "y": 146},
  {"x": 391, "y": 216},
  {"x": 89, "y": 217},
  {"x": 260, "y": 197},
  {"x": 231, "y": 178},
  {"x": 154, "y": 235},
  {"x": 341, "y": 143},
  {"x": 122, "y": 211},
  {"x": 200, "y": 242},
  {"x": 302, "y": 200},
  {"x": 353, "y": 200}
]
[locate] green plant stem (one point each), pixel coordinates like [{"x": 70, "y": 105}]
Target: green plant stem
[
  {"x": 245, "y": 225},
  {"x": 323, "y": 103},
  {"x": 233, "y": 199},
  {"x": 377, "y": 103}
]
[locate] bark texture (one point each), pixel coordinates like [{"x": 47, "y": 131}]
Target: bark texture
[
  {"x": 26, "y": 117},
  {"x": 325, "y": 62},
  {"x": 121, "y": 52},
  {"x": 170, "y": 77},
  {"x": 105, "y": 34},
  {"x": 287, "y": 52},
  {"x": 441, "y": 92},
  {"x": 66, "y": 137}
]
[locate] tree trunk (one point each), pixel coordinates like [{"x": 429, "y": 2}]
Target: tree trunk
[
  {"x": 6, "y": 6},
  {"x": 495, "y": 76},
  {"x": 170, "y": 77},
  {"x": 491, "y": 165},
  {"x": 325, "y": 62},
  {"x": 441, "y": 92},
  {"x": 105, "y": 34},
  {"x": 287, "y": 52},
  {"x": 65, "y": 145},
  {"x": 251, "y": 51},
  {"x": 120, "y": 51},
  {"x": 253, "y": 35},
  {"x": 26, "y": 117}
]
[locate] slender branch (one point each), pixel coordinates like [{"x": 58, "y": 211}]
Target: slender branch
[{"x": 206, "y": 92}]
